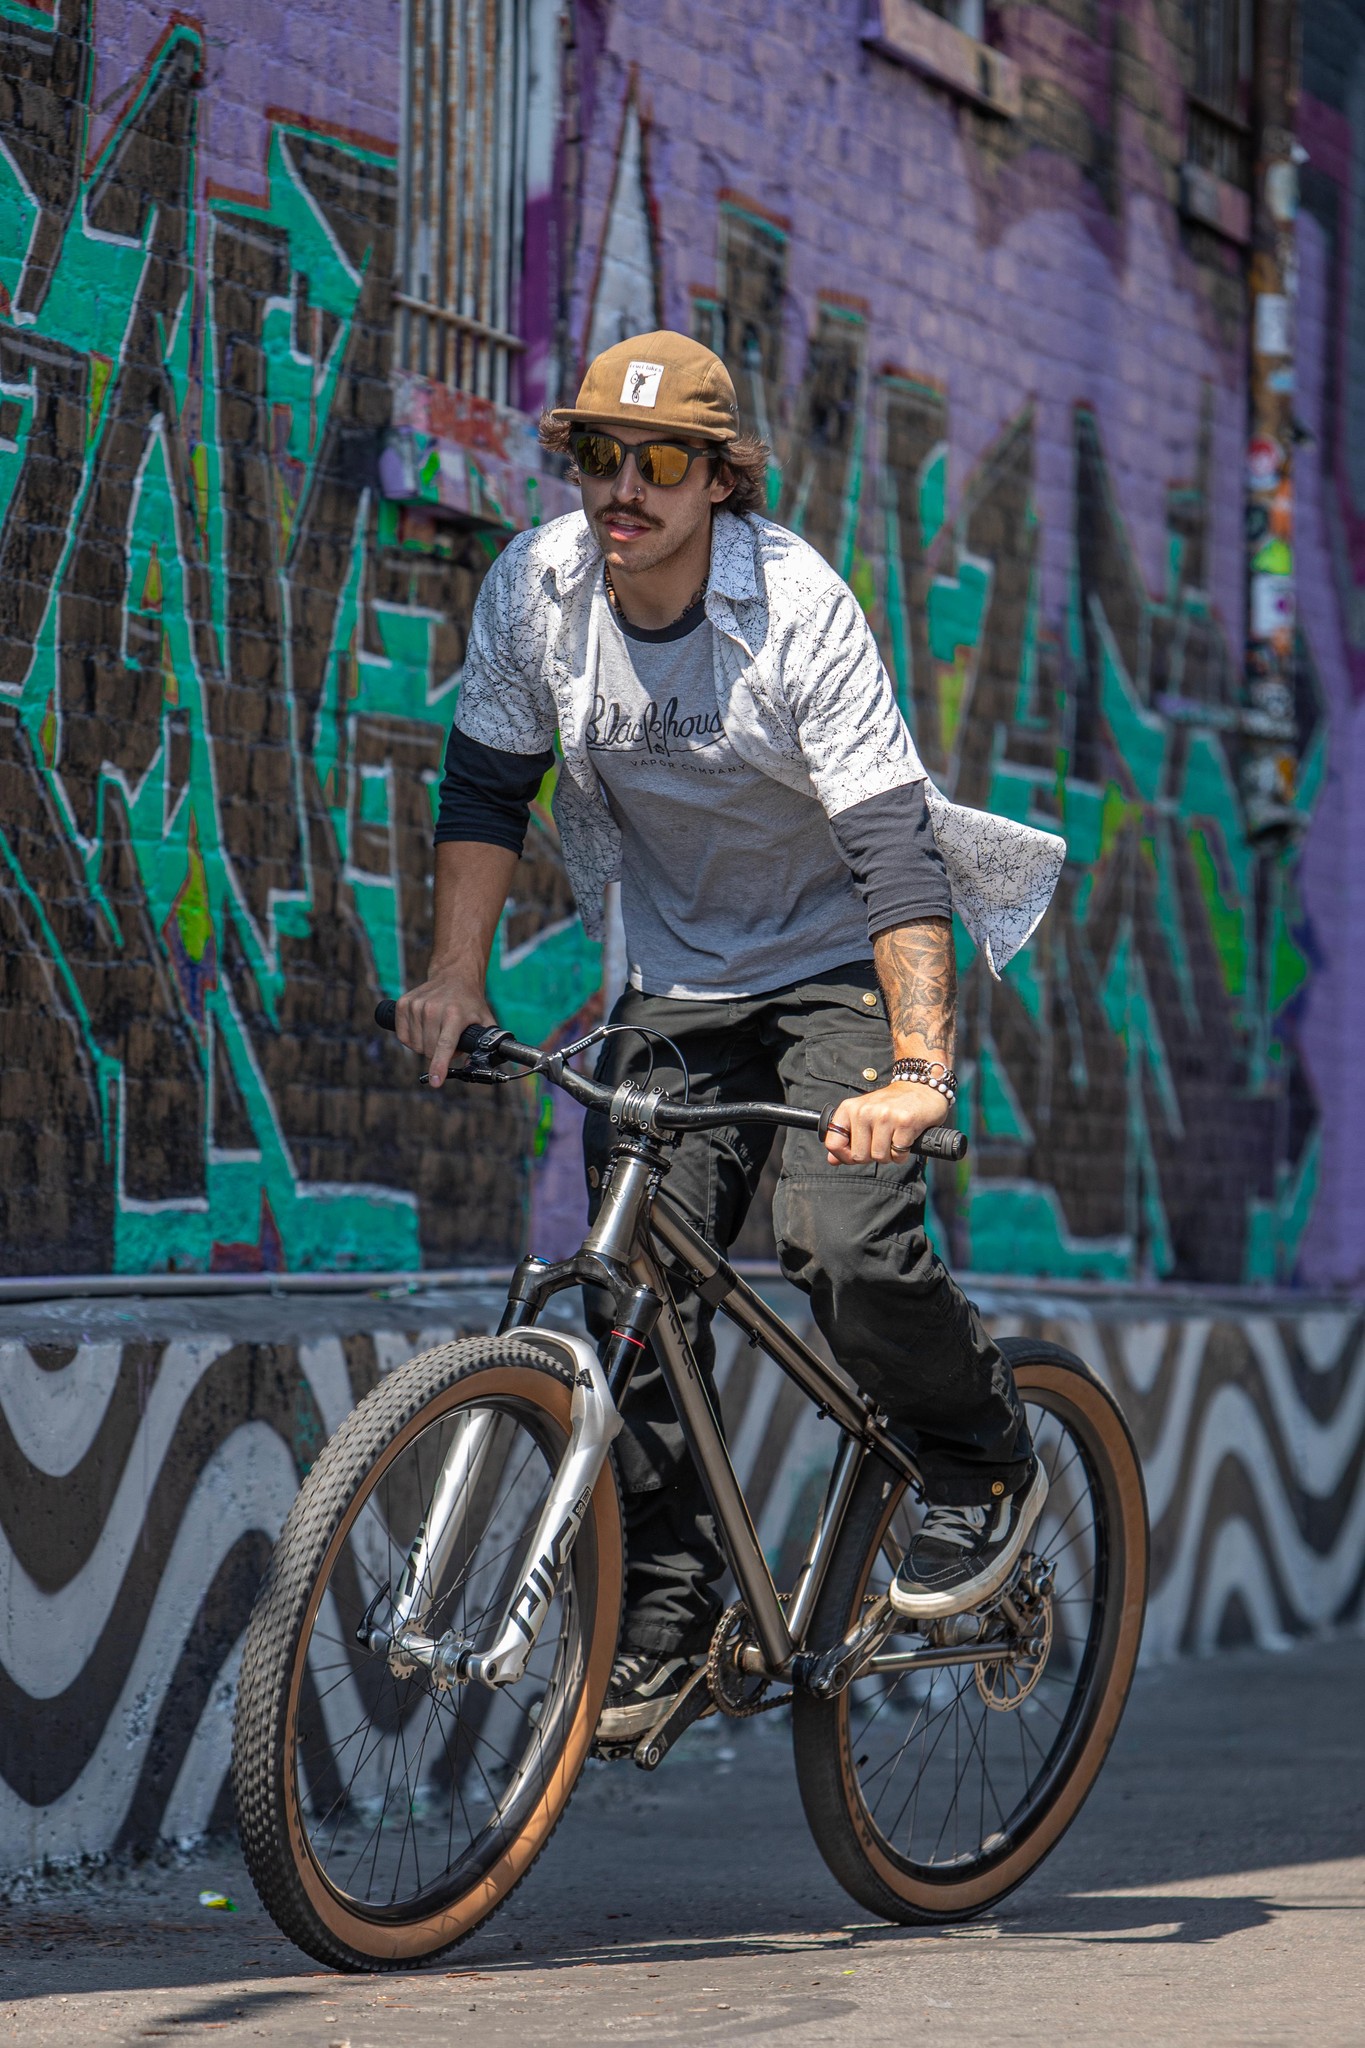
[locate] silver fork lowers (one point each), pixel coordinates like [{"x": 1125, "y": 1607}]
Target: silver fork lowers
[
  {"x": 434, "y": 1544},
  {"x": 593, "y": 1422}
]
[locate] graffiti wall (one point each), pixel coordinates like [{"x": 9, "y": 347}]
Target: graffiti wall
[
  {"x": 225, "y": 696},
  {"x": 1009, "y": 408},
  {"x": 143, "y": 1483},
  {"x": 1003, "y": 376},
  {"x": 1329, "y": 398},
  {"x": 1000, "y": 355}
]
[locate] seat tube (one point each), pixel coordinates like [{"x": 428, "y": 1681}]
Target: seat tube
[
  {"x": 848, "y": 1463},
  {"x": 706, "y": 1442}
]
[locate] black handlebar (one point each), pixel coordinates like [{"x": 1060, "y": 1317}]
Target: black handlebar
[{"x": 494, "y": 1047}]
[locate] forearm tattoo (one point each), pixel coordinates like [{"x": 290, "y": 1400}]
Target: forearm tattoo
[{"x": 917, "y": 968}]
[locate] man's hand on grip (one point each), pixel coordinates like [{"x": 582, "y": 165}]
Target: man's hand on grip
[{"x": 430, "y": 1018}]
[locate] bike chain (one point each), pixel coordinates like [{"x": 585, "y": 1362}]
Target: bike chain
[{"x": 718, "y": 1677}]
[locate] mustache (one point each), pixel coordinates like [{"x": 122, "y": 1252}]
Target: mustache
[{"x": 630, "y": 511}]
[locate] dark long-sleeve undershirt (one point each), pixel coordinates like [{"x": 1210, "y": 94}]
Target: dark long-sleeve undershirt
[
  {"x": 486, "y": 792},
  {"x": 887, "y": 844}
]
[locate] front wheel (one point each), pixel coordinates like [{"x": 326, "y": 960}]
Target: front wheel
[
  {"x": 383, "y": 1817},
  {"x": 932, "y": 1793}
]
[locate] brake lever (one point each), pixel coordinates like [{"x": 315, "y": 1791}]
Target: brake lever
[
  {"x": 480, "y": 1070},
  {"x": 479, "y": 1076}
]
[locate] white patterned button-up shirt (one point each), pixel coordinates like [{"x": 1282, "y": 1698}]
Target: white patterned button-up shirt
[{"x": 801, "y": 688}]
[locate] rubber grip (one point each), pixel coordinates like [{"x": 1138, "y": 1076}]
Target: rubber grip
[
  {"x": 386, "y": 1017},
  {"x": 942, "y": 1143}
]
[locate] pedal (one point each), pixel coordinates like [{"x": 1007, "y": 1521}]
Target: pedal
[
  {"x": 610, "y": 1752},
  {"x": 692, "y": 1703}
]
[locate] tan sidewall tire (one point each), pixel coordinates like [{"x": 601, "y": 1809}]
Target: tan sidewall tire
[
  {"x": 602, "y": 1534},
  {"x": 1107, "y": 1440}
]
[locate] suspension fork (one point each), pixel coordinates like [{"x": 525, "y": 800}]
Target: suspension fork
[
  {"x": 434, "y": 1543},
  {"x": 593, "y": 1423},
  {"x": 594, "y": 1420},
  {"x": 451, "y": 1658}
]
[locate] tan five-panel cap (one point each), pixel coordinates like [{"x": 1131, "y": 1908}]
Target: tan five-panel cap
[{"x": 663, "y": 382}]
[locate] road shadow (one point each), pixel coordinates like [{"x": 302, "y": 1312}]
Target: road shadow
[
  {"x": 85, "y": 1954},
  {"x": 1222, "y": 1774}
]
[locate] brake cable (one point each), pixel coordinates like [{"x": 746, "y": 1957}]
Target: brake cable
[{"x": 480, "y": 1070}]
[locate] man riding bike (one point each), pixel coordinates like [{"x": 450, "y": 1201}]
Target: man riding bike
[{"x": 732, "y": 747}]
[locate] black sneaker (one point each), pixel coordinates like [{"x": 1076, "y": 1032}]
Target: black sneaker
[
  {"x": 643, "y": 1687},
  {"x": 960, "y": 1557}
]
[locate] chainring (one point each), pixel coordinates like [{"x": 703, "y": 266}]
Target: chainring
[{"x": 736, "y": 1693}]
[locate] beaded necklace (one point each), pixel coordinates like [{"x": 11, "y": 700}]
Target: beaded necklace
[{"x": 697, "y": 595}]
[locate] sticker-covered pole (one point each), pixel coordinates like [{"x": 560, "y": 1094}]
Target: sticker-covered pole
[{"x": 1269, "y": 764}]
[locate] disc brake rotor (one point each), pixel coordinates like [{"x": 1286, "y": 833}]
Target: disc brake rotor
[{"x": 1007, "y": 1683}]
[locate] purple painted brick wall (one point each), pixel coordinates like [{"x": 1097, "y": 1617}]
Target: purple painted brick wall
[
  {"x": 1031, "y": 292},
  {"x": 1041, "y": 262},
  {"x": 316, "y": 59}
]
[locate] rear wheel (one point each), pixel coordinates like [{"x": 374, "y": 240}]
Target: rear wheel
[
  {"x": 933, "y": 1793},
  {"x": 382, "y": 1817}
]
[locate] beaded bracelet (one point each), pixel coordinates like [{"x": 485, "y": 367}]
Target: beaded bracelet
[{"x": 930, "y": 1074}]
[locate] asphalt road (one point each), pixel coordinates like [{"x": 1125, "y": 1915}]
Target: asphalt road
[{"x": 1213, "y": 1890}]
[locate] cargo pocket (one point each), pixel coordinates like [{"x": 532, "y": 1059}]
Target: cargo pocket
[
  {"x": 837, "y": 1065},
  {"x": 845, "y": 1051},
  {"x": 848, "y": 1049}
]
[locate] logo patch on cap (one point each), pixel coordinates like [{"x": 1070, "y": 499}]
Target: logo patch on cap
[{"x": 642, "y": 384}]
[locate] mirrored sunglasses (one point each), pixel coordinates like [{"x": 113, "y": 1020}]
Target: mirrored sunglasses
[{"x": 662, "y": 463}]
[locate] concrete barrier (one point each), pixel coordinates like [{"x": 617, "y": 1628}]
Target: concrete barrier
[{"x": 149, "y": 1451}]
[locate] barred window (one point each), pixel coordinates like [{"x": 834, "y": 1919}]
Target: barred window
[
  {"x": 968, "y": 15},
  {"x": 1218, "y": 133},
  {"x": 467, "y": 67}
]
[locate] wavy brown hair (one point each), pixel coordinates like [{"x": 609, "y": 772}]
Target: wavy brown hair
[{"x": 744, "y": 459}]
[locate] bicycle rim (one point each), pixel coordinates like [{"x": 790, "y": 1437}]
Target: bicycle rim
[
  {"x": 952, "y": 1763},
  {"x": 933, "y": 1792}
]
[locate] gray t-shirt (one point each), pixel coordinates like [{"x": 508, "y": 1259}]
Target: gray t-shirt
[{"x": 731, "y": 884}]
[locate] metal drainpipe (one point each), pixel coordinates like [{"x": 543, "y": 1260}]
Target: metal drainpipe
[{"x": 1269, "y": 765}]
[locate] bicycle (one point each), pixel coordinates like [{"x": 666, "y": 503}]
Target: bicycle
[{"x": 430, "y": 1649}]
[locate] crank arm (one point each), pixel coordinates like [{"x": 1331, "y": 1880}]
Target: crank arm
[
  {"x": 691, "y": 1704},
  {"x": 930, "y": 1660}
]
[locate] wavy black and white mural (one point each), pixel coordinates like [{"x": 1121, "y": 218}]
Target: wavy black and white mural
[{"x": 142, "y": 1482}]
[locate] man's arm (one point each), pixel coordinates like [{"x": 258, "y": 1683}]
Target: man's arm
[
  {"x": 917, "y": 968},
  {"x": 485, "y": 807},
  {"x": 472, "y": 885}
]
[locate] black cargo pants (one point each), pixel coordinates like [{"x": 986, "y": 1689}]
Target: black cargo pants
[{"x": 851, "y": 1237}]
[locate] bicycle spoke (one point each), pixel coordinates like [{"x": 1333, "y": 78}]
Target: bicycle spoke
[
  {"x": 939, "y": 1783},
  {"x": 410, "y": 1778}
]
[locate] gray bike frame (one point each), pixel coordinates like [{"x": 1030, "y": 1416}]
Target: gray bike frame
[
  {"x": 778, "y": 1646},
  {"x": 779, "y": 1634},
  {"x": 636, "y": 1228}
]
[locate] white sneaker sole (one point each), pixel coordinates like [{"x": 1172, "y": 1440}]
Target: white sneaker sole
[
  {"x": 927, "y": 1606},
  {"x": 626, "y": 1724}
]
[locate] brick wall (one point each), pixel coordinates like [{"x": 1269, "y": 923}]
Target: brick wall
[{"x": 1003, "y": 378}]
